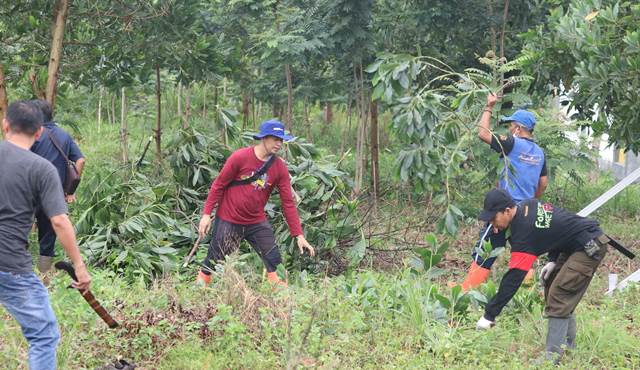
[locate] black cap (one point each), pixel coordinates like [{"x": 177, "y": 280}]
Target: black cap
[{"x": 495, "y": 201}]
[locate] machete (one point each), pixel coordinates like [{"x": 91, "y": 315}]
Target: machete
[
  {"x": 187, "y": 259},
  {"x": 88, "y": 296}
]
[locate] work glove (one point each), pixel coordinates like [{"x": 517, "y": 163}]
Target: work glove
[
  {"x": 484, "y": 324},
  {"x": 546, "y": 271}
]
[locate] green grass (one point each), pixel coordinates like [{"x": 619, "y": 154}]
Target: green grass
[{"x": 366, "y": 320}]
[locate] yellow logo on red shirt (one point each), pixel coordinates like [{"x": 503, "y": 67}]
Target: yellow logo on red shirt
[{"x": 260, "y": 183}]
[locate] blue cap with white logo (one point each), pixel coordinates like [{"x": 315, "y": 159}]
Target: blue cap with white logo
[
  {"x": 272, "y": 128},
  {"x": 522, "y": 117}
]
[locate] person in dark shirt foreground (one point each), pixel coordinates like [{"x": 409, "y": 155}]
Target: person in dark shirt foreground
[
  {"x": 575, "y": 246},
  {"x": 27, "y": 183}
]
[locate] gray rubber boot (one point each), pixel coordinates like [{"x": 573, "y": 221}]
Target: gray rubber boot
[
  {"x": 44, "y": 263},
  {"x": 571, "y": 332},
  {"x": 556, "y": 338}
]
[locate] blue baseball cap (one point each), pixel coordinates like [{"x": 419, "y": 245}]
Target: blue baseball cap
[
  {"x": 522, "y": 117},
  {"x": 272, "y": 128}
]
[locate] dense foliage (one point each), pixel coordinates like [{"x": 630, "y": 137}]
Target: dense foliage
[{"x": 593, "y": 47}]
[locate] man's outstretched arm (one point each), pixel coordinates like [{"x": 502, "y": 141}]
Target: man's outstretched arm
[
  {"x": 484, "y": 127},
  {"x": 67, "y": 236}
]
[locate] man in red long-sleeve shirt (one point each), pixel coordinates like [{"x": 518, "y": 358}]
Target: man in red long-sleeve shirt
[{"x": 240, "y": 197}]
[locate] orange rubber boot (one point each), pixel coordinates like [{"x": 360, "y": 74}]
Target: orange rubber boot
[
  {"x": 475, "y": 277},
  {"x": 273, "y": 278},
  {"x": 203, "y": 279}
]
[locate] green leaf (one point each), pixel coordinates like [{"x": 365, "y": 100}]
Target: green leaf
[
  {"x": 357, "y": 253},
  {"x": 404, "y": 81},
  {"x": 121, "y": 257},
  {"x": 378, "y": 91},
  {"x": 164, "y": 250},
  {"x": 373, "y": 67}
]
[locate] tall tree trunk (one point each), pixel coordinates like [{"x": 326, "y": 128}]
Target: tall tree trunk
[
  {"x": 113, "y": 109},
  {"x": 595, "y": 145},
  {"x": 179, "y": 97},
  {"x": 60, "y": 15},
  {"x": 100, "y": 107},
  {"x": 492, "y": 28},
  {"x": 253, "y": 110},
  {"x": 158, "y": 129},
  {"x": 245, "y": 109},
  {"x": 4, "y": 102},
  {"x": 35, "y": 85},
  {"x": 224, "y": 89},
  {"x": 204, "y": 100},
  {"x": 328, "y": 113},
  {"x": 505, "y": 14},
  {"x": 307, "y": 121},
  {"x": 123, "y": 126},
  {"x": 215, "y": 105},
  {"x": 289, "y": 116},
  {"x": 108, "y": 110},
  {"x": 187, "y": 106},
  {"x": 375, "y": 178},
  {"x": 328, "y": 118},
  {"x": 362, "y": 122},
  {"x": 347, "y": 134}
]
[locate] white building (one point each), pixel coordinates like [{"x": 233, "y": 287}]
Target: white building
[{"x": 612, "y": 159}]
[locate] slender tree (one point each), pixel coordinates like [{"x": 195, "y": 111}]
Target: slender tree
[
  {"x": 3, "y": 93},
  {"x": 60, "y": 20}
]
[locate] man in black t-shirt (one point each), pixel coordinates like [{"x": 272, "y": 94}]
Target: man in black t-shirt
[{"x": 575, "y": 245}]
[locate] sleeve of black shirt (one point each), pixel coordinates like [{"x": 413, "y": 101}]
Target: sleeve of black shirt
[
  {"x": 553, "y": 255},
  {"x": 502, "y": 143},
  {"x": 543, "y": 172},
  {"x": 509, "y": 285}
]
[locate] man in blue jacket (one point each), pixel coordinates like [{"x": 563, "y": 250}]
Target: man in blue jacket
[
  {"x": 45, "y": 146},
  {"x": 524, "y": 177}
]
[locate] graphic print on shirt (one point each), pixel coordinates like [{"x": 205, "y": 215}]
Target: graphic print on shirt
[
  {"x": 544, "y": 214},
  {"x": 261, "y": 183},
  {"x": 530, "y": 159}
]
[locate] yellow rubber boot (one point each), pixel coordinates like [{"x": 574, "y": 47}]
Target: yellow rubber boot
[{"x": 475, "y": 277}]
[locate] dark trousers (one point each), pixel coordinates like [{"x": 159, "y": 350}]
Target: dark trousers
[
  {"x": 498, "y": 240},
  {"x": 569, "y": 281},
  {"x": 46, "y": 235},
  {"x": 227, "y": 236}
]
